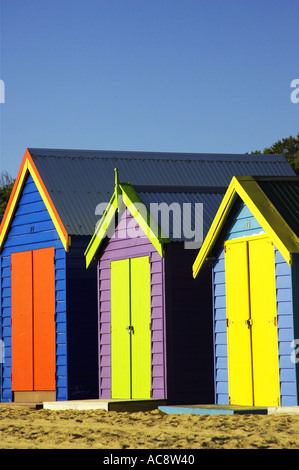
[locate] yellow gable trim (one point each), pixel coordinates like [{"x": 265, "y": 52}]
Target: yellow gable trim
[
  {"x": 267, "y": 215},
  {"x": 12, "y": 204},
  {"x": 262, "y": 209}
]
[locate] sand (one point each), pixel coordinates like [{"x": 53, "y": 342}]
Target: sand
[{"x": 24, "y": 428}]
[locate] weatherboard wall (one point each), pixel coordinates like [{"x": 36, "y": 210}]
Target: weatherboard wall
[
  {"x": 181, "y": 328},
  {"x": 75, "y": 299},
  {"x": 31, "y": 229},
  {"x": 295, "y": 299},
  {"x": 242, "y": 223}
]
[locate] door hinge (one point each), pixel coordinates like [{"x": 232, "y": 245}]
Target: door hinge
[{"x": 228, "y": 322}]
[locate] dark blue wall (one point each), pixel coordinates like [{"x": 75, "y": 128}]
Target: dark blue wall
[
  {"x": 82, "y": 322},
  {"x": 189, "y": 329}
]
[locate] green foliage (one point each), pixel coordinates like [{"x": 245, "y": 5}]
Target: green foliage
[
  {"x": 289, "y": 147},
  {"x": 6, "y": 185}
]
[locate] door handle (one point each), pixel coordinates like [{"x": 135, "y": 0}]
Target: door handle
[
  {"x": 130, "y": 329},
  {"x": 248, "y": 323}
]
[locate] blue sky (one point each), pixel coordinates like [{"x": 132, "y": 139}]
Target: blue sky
[{"x": 156, "y": 75}]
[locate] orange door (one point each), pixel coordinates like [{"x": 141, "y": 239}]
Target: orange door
[
  {"x": 44, "y": 319},
  {"x": 33, "y": 322},
  {"x": 21, "y": 321}
]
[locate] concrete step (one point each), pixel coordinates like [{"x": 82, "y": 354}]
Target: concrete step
[
  {"x": 227, "y": 409},
  {"x": 102, "y": 404}
]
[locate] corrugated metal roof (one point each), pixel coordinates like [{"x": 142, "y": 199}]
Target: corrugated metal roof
[
  {"x": 180, "y": 226},
  {"x": 284, "y": 195},
  {"x": 79, "y": 180}
]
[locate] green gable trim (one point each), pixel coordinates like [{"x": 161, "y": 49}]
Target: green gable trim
[{"x": 125, "y": 196}]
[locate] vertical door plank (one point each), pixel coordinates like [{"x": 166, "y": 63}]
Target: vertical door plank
[
  {"x": 141, "y": 335},
  {"x": 44, "y": 319},
  {"x": 22, "y": 321},
  {"x": 120, "y": 337},
  {"x": 239, "y": 335},
  {"x": 264, "y": 325}
]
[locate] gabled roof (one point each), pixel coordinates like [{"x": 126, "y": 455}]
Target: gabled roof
[
  {"x": 124, "y": 196},
  {"x": 74, "y": 182},
  {"x": 274, "y": 202},
  {"x": 28, "y": 167},
  {"x": 157, "y": 229}
]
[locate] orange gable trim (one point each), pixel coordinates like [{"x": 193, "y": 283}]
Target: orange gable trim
[{"x": 29, "y": 166}]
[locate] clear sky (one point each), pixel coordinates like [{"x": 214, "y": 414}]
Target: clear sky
[{"x": 156, "y": 75}]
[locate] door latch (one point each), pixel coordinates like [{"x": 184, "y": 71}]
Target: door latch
[
  {"x": 130, "y": 329},
  {"x": 274, "y": 321},
  {"x": 248, "y": 323}
]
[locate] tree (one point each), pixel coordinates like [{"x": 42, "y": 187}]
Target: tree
[
  {"x": 6, "y": 185},
  {"x": 289, "y": 147}
]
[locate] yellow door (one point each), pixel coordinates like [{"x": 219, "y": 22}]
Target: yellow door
[
  {"x": 264, "y": 323},
  {"x": 252, "y": 336},
  {"x": 238, "y": 329}
]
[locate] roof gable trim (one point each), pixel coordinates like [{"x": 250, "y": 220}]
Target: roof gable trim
[
  {"x": 26, "y": 167},
  {"x": 263, "y": 210},
  {"x": 125, "y": 196}
]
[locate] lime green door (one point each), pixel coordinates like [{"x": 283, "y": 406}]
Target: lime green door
[
  {"x": 130, "y": 329},
  {"x": 253, "y": 370}
]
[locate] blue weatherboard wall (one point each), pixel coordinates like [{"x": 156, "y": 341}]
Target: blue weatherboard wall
[
  {"x": 32, "y": 228},
  {"x": 295, "y": 299},
  {"x": 242, "y": 223}
]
